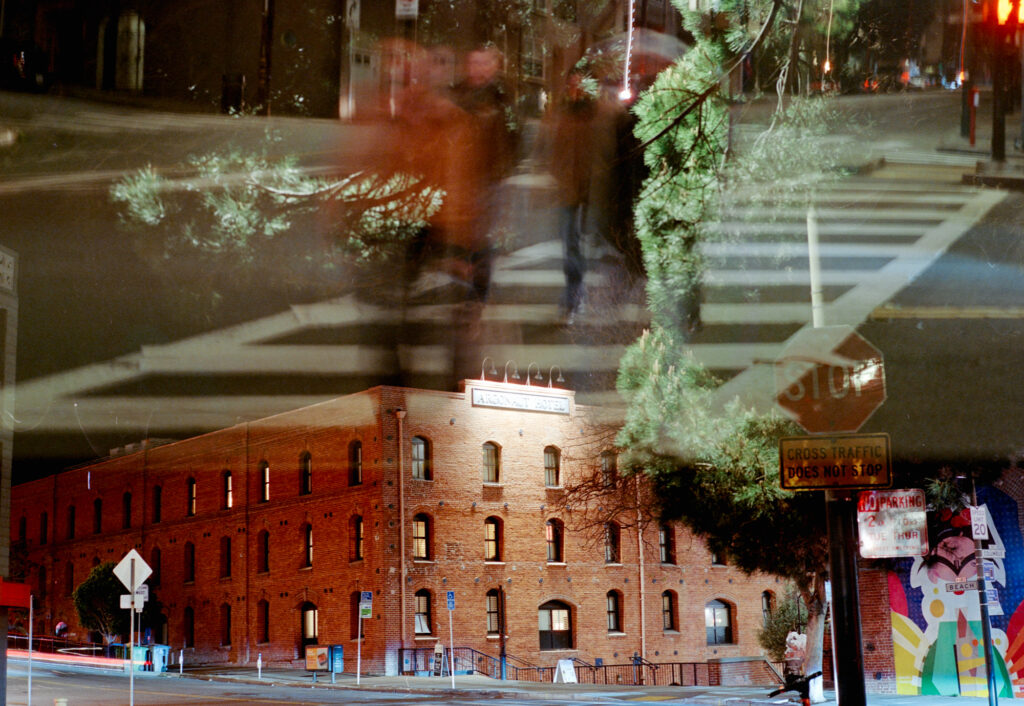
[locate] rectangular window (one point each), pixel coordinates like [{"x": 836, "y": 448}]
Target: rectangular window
[
  {"x": 613, "y": 612},
  {"x": 264, "y": 482},
  {"x": 191, "y": 509},
  {"x": 490, "y": 463},
  {"x": 423, "y": 613},
  {"x": 419, "y": 459},
  {"x": 420, "y": 538},
  {"x": 157, "y": 503},
  {"x": 229, "y": 492},
  {"x": 551, "y": 467},
  {"x": 493, "y": 621},
  {"x": 225, "y": 557}
]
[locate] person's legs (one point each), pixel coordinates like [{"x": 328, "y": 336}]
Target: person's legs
[{"x": 572, "y": 262}]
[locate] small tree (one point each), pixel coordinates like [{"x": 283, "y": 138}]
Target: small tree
[
  {"x": 790, "y": 615},
  {"x": 98, "y": 603}
]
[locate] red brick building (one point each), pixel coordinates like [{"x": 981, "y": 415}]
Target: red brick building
[{"x": 262, "y": 536}]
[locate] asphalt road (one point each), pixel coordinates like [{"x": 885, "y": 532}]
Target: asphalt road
[{"x": 90, "y": 292}]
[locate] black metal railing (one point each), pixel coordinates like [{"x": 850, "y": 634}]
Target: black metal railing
[{"x": 637, "y": 673}]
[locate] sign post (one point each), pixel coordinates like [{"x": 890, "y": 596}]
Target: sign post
[
  {"x": 829, "y": 380},
  {"x": 365, "y": 611},
  {"x": 132, "y": 571},
  {"x": 451, "y": 636}
]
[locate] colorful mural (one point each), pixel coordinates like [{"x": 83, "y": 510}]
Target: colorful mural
[{"x": 936, "y": 620}]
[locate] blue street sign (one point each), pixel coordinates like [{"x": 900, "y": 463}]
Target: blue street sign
[
  {"x": 366, "y": 597},
  {"x": 451, "y": 600}
]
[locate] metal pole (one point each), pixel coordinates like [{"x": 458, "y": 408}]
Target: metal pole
[
  {"x": 814, "y": 257},
  {"x": 30, "y": 619},
  {"x": 359, "y": 647},
  {"x": 849, "y": 660},
  {"x": 131, "y": 637},
  {"x": 451, "y": 648},
  {"x": 986, "y": 628},
  {"x": 998, "y": 116},
  {"x": 501, "y": 632}
]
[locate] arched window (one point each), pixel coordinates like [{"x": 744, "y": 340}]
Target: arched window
[
  {"x": 126, "y": 510},
  {"x": 668, "y": 611},
  {"x": 552, "y": 466},
  {"x": 228, "y": 491},
  {"x": 355, "y": 538},
  {"x": 97, "y": 516},
  {"x": 44, "y": 526},
  {"x": 189, "y": 627},
  {"x": 263, "y": 552},
  {"x": 191, "y": 490},
  {"x": 613, "y": 603},
  {"x": 307, "y": 546},
  {"x": 554, "y": 622},
  {"x": 225, "y": 624},
  {"x": 609, "y": 469},
  {"x": 421, "y": 539},
  {"x": 155, "y": 564},
  {"x": 263, "y": 621},
  {"x": 71, "y": 521},
  {"x": 491, "y": 469},
  {"x": 264, "y": 481},
  {"x": 158, "y": 503},
  {"x": 494, "y": 615},
  {"x": 666, "y": 544},
  {"x": 554, "y": 533},
  {"x": 190, "y": 563},
  {"x": 492, "y": 539},
  {"x": 355, "y": 463},
  {"x": 305, "y": 473},
  {"x": 612, "y": 542},
  {"x": 310, "y": 623},
  {"x": 718, "y": 622},
  {"x": 225, "y": 557},
  {"x": 767, "y": 606},
  {"x": 421, "y": 468},
  {"x": 423, "y": 612}
]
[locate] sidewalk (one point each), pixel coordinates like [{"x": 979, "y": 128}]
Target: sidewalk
[{"x": 481, "y": 686}]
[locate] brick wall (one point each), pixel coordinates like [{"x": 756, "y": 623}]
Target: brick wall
[{"x": 456, "y": 500}]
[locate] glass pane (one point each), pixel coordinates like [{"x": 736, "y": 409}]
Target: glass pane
[
  {"x": 544, "y": 620},
  {"x": 559, "y": 619}
]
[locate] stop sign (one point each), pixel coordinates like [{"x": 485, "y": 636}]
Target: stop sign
[{"x": 829, "y": 379}]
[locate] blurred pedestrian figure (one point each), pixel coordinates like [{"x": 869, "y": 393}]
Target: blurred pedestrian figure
[
  {"x": 452, "y": 140},
  {"x": 582, "y": 143}
]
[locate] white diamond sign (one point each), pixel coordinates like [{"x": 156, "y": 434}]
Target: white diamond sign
[{"x": 132, "y": 579}]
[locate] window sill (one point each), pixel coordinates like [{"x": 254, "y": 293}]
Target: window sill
[
  {"x": 494, "y": 562},
  {"x": 424, "y": 636},
  {"x": 616, "y": 634},
  {"x": 666, "y": 564},
  {"x": 423, "y": 561},
  {"x": 358, "y": 560},
  {"x": 560, "y": 649},
  {"x": 669, "y": 632},
  {"x": 425, "y": 480},
  {"x": 306, "y": 568},
  {"x": 554, "y": 487},
  {"x": 556, "y": 563},
  {"x": 719, "y": 566},
  {"x": 495, "y": 636},
  {"x": 493, "y": 484},
  {"x": 613, "y": 563}
]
